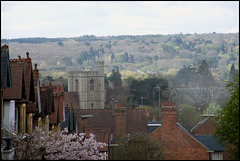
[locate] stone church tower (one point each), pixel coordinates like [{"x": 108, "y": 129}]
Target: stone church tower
[{"x": 89, "y": 86}]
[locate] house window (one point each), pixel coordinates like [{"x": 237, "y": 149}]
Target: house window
[
  {"x": 216, "y": 156},
  {"x": 92, "y": 105},
  {"x": 91, "y": 85}
]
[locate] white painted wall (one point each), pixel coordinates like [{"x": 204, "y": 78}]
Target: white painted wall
[{"x": 8, "y": 114}]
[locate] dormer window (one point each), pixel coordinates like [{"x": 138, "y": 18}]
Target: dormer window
[{"x": 91, "y": 85}]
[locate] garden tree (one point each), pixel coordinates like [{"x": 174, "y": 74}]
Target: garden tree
[
  {"x": 40, "y": 145},
  {"x": 212, "y": 109},
  {"x": 138, "y": 146},
  {"x": 115, "y": 77},
  {"x": 144, "y": 88},
  {"x": 227, "y": 121},
  {"x": 188, "y": 115}
]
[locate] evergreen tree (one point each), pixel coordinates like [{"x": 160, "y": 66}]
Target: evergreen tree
[
  {"x": 116, "y": 78},
  {"x": 203, "y": 70},
  {"x": 227, "y": 127}
]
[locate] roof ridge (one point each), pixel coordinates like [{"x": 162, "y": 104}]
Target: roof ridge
[
  {"x": 185, "y": 130},
  {"x": 200, "y": 123}
]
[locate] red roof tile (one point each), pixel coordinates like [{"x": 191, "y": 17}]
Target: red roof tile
[
  {"x": 57, "y": 116},
  {"x": 17, "y": 92},
  {"x": 103, "y": 122},
  {"x": 71, "y": 100}
]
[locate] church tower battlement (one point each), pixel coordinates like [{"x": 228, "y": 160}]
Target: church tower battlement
[{"x": 89, "y": 86}]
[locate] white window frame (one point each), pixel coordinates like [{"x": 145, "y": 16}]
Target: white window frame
[{"x": 216, "y": 156}]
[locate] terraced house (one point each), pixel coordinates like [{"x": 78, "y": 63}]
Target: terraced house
[{"x": 181, "y": 144}]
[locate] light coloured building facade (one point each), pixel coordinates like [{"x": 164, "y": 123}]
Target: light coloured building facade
[{"x": 89, "y": 86}]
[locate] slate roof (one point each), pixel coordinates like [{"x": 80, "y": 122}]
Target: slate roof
[
  {"x": 210, "y": 142},
  {"x": 207, "y": 140},
  {"x": 5, "y": 80},
  {"x": 70, "y": 122}
]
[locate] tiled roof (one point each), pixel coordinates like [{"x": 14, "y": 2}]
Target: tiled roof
[
  {"x": 102, "y": 124},
  {"x": 57, "y": 116},
  {"x": 200, "y": 123},
  {"x": 17, "y": 92},
  {"x": 101, "y": 117},
  {"x": 71, "y": 100},
  {"x": 33, "y": 106},
  {"x": 47, "y": 101},
  {"x": 136, "y": 121},
  {"x": 206, "y": 140},
  {"x": 210, "y": 142},
  {"x": 22, "y": 66},
  {"x": 28, "y": 76},
  {"x": 179, "y": 125}
]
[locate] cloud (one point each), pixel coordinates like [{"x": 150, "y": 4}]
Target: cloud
[{"x": 60, "y": 19}]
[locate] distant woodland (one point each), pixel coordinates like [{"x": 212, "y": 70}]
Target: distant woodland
[
  {"x": 189, "y": 70},
  {"x": 134, "y": 55}
]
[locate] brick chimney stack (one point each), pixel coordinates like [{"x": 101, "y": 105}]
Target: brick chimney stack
[
  {"x": 120, "y": 121},
  {"x": 169, "y": 116}
]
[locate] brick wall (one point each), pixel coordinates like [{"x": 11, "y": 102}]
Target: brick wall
[
  {"x": 177, "y": 144},
  {"x": 120, "y": 122},
  {"x": 207, "y": 128}
]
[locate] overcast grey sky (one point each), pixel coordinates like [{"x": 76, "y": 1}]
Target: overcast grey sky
[{"x": 53, "y": 19}]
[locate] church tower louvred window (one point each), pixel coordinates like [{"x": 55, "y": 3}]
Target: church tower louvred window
[{"x": 91, "y": 85}]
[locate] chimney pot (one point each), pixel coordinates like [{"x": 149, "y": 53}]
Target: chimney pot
[
  {"x": 36, "y": 66},
  {"x": 27, "y": 53}
]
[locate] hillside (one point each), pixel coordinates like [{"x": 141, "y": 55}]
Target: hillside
[{"x": 133, "y": 55}]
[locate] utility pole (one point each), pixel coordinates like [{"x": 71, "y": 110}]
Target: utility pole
[{"x": 159, "y": 109}]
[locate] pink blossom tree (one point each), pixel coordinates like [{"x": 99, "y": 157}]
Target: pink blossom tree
[{"x": 52, "y": 146}]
